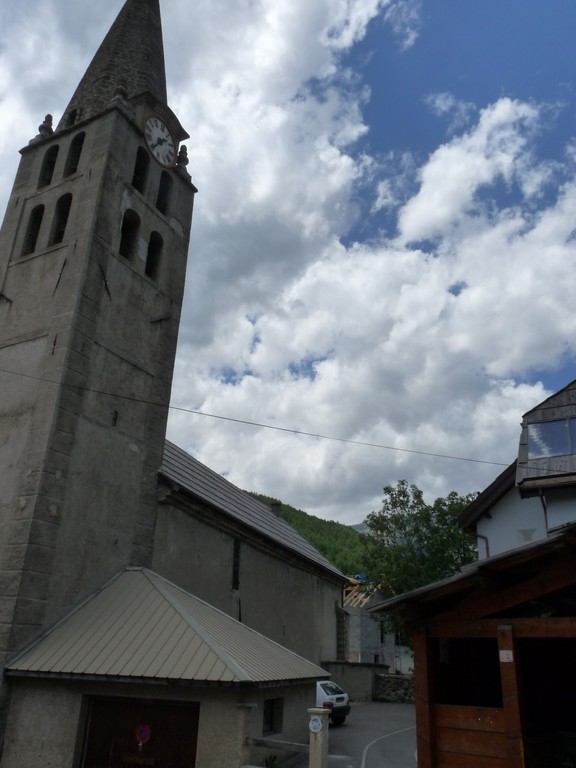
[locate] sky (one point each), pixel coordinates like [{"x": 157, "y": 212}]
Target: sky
[{"x": 382, "y": 271}]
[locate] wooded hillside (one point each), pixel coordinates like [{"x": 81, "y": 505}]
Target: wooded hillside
[{"x": 339, "y": 543}]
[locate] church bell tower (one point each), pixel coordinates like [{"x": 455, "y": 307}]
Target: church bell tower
[{"x": 93, "y": 254}]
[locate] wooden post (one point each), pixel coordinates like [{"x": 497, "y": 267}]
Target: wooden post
[
  {"x": 511, "y": 696},
  {"x": 318, "y": 727},
  {"x": 424, "y": 725}
]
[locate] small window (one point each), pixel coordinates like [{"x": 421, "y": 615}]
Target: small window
[
  {"x": 73, "y": 159},
  {"x": 154, "y": 254},
  {"x": 272, "y": 721},
  {"x": 141, "y": 169},
  {"x": 60, "y": 219},
  {"x": 48, "y": 165},
  {"x": 129, "y": 236},
  {"x": 164, "y": 193},
  {"x": 33, "y": 230}
]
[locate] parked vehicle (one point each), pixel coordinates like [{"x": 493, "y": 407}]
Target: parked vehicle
[{"x": 331, "y": 696}]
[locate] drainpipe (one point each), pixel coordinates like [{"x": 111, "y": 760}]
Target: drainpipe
[
  {"x": 545, "y": 508},
  {"x": 486, "y": 542}
]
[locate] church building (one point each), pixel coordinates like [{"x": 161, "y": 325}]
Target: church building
[{"x": 151, "y": 613}]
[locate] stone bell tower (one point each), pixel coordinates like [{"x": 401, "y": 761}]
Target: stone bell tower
[{"x": 93, "y": 254}]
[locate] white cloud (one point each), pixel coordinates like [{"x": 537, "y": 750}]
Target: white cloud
[
  {"x": 446, "y": 104},
  {"x": 404, "y": 16},
  {"x": 458, "y": 170},
  {"x": 417, "y": 349}
]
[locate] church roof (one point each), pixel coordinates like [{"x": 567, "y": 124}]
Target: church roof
[
  {"x": 142, "y": 627},
  {"x": 131, "y": 57},
  {"x": 197, "y": 479}
]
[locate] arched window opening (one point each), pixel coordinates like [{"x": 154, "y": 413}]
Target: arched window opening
[
  {"x": 129, "y": 234},
  {"x": 73, "y": 159},
  {"x": 60, "y": 219},
  {"x": 141, "y": 169},
  {"x": 154, "y": 254},
  {"x": 48, "y": 165},
  {"x": 33, "y": 230},
  {"x": 164, "y": 192}
]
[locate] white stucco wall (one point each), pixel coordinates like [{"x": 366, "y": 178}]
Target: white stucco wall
[{"x": 513, "y": 522}]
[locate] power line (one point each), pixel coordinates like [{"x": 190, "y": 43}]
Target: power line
[
  {"x": 340, "y": 439},
  {"x": 260, "y": 425}
]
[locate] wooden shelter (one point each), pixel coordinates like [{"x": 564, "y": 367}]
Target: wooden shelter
[{"x": 495, "y": 660}]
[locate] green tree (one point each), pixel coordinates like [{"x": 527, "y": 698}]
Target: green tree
[{"x": 411, "y": 543}]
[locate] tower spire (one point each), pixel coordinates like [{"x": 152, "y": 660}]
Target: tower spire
[{"x": 130, "y": 60}]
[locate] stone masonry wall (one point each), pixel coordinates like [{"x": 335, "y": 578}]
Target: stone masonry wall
[{"x": 398, "y": 688}]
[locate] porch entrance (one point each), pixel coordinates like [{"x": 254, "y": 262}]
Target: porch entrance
[
  {"x": 547, "y": 668},
  {"x": 132, "y": 732}
]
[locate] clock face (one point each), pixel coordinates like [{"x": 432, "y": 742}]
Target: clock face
[{"x": 160, "y": 141}]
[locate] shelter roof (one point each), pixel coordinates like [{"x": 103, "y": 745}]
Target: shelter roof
[
  {"x": 526, "y": 577},
  {"x": 195, "y": 478},
  {"x": 141, "y": 627}
]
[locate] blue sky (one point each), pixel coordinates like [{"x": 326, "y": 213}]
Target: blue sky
[{"x": 382, "y": 249}]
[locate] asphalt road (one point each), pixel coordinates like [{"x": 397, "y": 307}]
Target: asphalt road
[{"x": 375, "y": 735}]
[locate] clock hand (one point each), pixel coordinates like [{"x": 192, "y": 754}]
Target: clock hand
[{"x": 159, "y": 142}]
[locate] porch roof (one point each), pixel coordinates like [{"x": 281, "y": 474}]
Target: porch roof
[
  {"x": 142, "y": 627},
  {"x": 495, "y": 585}
]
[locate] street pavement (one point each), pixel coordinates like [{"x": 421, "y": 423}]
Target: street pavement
[{"x": 375, "y": 735}]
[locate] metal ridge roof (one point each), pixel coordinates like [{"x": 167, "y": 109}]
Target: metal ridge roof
[
  {"x": 201, "y": 481},
  {"x": 140, "y": 626}
]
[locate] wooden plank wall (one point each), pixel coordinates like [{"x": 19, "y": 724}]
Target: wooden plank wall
[{"x": 470, "y": 737}]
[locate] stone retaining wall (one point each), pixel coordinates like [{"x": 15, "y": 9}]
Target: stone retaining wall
[{"x": 399, "y": 688}]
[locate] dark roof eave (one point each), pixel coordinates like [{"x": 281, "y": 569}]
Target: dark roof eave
[
  {"x": 181, "y": 480},
  {"x": 172, "y": 682},
  {"x": 484, "y": 502}
]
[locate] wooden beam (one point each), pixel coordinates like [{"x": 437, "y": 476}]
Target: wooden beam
[
  {"x": 552, "y": 577},
  {"x": 523, "y": 628},
  {"x": 511, "y": 696},
  {"x": 422, "y": 685}
]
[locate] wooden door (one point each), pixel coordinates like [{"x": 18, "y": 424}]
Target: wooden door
[{"x": 132, "y": 732}]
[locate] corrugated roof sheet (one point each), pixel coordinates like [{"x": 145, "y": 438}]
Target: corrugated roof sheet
[
  {"x": 196, "y": 478},
  {"x": 140, "y": 626}
]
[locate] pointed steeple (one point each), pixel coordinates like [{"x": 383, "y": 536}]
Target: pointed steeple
[{"x": 130, "y": 61}]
